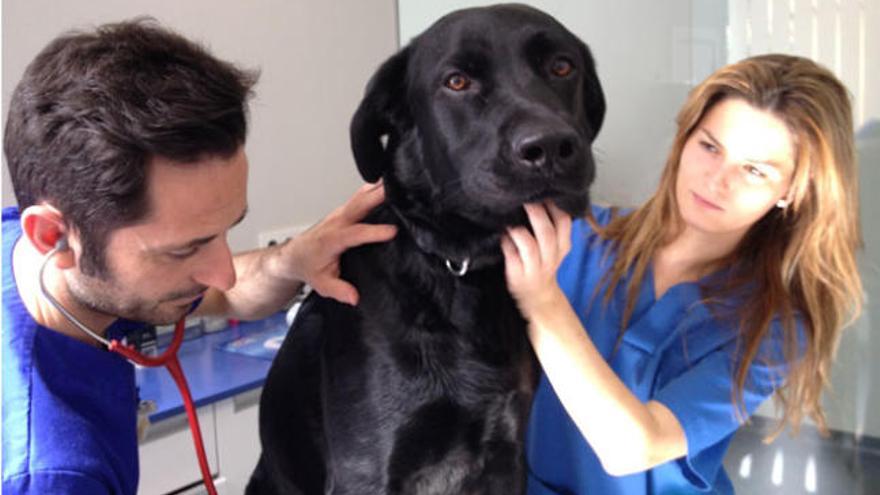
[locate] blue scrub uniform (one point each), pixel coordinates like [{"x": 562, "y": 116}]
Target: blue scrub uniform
[
  {"x": 69, "y": 408},
  {"x": 674, "y": 352}
]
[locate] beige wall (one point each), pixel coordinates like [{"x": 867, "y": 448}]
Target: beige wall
[{"x": 315, "y": 59}]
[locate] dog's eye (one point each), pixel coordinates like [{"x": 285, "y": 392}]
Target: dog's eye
[
  {"x": 457, "y": 82},
  {"x": 561, "y": 67}
]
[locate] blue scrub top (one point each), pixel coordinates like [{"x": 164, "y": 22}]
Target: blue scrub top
[
  {"x": 69, "y": 408},
  {"x": 675, "y": 352}
]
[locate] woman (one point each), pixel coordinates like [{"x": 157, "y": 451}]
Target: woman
[{"x": 665, "y": 327}]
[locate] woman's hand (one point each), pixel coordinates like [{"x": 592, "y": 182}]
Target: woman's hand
[
  {"x": 531, "y": 261},
  {"x": 627, "y": 435}
]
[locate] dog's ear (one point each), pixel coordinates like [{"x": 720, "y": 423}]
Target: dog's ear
[
  {"x": 594, "y": 98},
  {"x": 380, "y": 118}
]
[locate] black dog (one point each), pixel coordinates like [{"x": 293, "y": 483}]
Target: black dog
[{"x": 426, "y": 385}]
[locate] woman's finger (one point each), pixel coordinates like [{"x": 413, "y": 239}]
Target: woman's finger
[
  {"x": 545, "y": 232},
  {"x": 526, "y": 247},
  {"x": 512, "y": 262},
  {"x": 562, "y": 221}
]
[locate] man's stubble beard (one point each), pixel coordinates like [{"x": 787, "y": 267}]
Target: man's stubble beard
[{"x": 104, "y": 295}]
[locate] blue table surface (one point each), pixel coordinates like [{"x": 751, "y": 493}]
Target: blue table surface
[{"x": 212, "y": 373}]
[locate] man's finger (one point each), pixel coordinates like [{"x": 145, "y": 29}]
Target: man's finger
[
  {"x": 364, "y": 233},
  {"x": 364, "y": 200},
  {"x": 336, "y": 288}
]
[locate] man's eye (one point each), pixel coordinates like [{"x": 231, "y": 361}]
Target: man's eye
[{"x": 184, "y": 253}]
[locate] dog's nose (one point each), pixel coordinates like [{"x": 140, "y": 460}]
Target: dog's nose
[{"x": 545, "y": 149}]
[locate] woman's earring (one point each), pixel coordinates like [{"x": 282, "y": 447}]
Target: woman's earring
[{"x": 782, "y": 203}]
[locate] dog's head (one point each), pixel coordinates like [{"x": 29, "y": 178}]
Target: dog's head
[{"x": 488, "y": 109}]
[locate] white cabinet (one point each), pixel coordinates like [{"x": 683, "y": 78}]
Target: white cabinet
[
  {"x": 238, "y": 439},
  {"x": 230, "y": 430}
]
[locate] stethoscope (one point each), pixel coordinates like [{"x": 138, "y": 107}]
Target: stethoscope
[{"x": 167, "y": 359}]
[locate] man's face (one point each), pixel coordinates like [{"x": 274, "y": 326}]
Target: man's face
[{"x": 158, "y": 267}]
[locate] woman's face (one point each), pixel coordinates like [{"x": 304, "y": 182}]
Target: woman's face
[{"x": 735, "y": 166}]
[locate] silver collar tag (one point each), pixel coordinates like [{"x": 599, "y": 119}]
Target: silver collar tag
[{"x": 461, "y": 269}]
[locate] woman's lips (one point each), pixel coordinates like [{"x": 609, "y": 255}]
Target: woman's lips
[{"x": 705, "y": 202}]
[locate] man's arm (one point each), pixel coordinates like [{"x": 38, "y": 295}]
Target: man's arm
[{"x": 267, "y": 279}]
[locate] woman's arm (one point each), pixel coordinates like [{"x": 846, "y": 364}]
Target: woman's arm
[{"x": 627, "y": 435}]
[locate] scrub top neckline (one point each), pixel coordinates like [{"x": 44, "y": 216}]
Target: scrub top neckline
[{"x": 685, "y": 286}]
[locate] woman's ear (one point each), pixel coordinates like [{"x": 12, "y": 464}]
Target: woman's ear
[
  {"x": 44, "y": 228},
  {"x": 786, "y": 200}
]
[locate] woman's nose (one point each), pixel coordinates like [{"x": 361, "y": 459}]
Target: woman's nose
[{"x": 720, "y": 177}]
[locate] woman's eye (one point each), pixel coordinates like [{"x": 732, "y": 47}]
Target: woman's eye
[
  {"x": 711, "y": 148},
  {"x": 755, "y": 171},
  {"x": 561, "y": 67},
  {"x": 457, "y": 82}
]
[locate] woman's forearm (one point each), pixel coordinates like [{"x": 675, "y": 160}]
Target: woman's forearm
[{"x": 627, "y": 435}]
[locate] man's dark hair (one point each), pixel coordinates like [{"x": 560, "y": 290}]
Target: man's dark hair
[{"x": 93, "y": 108}]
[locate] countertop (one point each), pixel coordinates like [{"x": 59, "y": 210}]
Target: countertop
[{"x": 213, "y": 373}]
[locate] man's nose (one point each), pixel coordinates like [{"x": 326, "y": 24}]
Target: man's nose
[{"x": 216, "y": 268}]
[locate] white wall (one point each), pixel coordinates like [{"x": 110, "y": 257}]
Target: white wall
[{"x": 315, "y": 59}]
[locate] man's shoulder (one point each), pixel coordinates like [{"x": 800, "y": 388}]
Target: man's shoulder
[
  {"x": 10, "y": 213},
  {"x": 44, "y": 414},
  {"x": 59, "y": 392},
  {"x": 61, "y": 482}
]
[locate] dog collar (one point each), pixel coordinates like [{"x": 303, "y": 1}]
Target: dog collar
[
  {"x": 455, "y": 267},
  {"x": 461, "y": 269}
]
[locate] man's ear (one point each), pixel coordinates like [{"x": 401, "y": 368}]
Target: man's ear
[
  {"x": 44, "y": 228},
  {"x": 381, "y": 118}
]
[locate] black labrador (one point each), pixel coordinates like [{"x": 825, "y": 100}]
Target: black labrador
[{"x": 425, "y": 386}]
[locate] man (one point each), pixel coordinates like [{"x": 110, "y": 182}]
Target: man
[{"x": 126, "y": 150}]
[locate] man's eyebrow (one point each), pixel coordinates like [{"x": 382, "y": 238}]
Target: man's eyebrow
[{"x": 204, "y": 240}]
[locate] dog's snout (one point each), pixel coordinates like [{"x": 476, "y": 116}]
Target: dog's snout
[{"x": 543, "y": 149}]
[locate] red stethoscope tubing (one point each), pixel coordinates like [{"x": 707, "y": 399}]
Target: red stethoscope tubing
[
  {"x": 172, "y": 364},
  {"x": 167, "y": 359}
]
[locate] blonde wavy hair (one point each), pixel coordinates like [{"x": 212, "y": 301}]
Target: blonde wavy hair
[{"x": 794, "y": 262}]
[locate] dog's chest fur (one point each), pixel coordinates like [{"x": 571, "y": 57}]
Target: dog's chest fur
[{"x": 428, "y": 381}]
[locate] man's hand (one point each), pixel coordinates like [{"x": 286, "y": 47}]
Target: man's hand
[{"x": 313, "y": 256}]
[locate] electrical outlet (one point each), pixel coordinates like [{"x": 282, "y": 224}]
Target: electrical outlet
[{"x": 279, "y": 235}]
